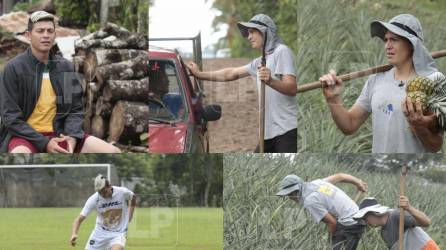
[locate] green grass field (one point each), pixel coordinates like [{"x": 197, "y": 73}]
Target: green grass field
[{"x": 152, "y": 228}]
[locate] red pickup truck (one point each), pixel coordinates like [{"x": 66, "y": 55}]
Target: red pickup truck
[{"x": 177, "y": 117}]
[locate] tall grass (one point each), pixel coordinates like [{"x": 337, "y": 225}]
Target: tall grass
[
  {"x": 254, "y": 218},
  {"x": 336, "y": 35}
]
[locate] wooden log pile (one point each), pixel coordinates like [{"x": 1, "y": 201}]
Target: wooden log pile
[
  {"x": 115, "y": 62},
  {"x": 10, "y": 47}
]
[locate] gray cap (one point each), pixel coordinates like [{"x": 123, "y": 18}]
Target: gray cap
[
  {"x": 405, "y": 25},
  {"x": 260, "y": 22},
  {"x": 40, "y": 15},
  {"x": 290, "y": 184}
]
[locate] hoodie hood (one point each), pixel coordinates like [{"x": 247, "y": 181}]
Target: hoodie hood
[
  {"x": 265, "y": 25},
  {"x": 409, "y": 27}
]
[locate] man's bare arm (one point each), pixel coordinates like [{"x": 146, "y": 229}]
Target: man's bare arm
[
  {"x": 341, "y": 177},
  {"x": 75, "y": 229},
  {"x": 132, "y": 207},
  {"x": 421, "y": 219},
  {"x": 222, "y": 75},
  {"x": 330, "y": 220}
]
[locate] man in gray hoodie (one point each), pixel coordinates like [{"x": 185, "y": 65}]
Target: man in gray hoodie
[
  {"x": 279, "y": 75},
  {"x": 399, "y": 125},
  {"x": 327, "y": 203}
]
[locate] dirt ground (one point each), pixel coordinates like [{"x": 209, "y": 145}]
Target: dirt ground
[{"x": 237, "y": 129}]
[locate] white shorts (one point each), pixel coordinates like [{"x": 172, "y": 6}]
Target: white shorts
[{"x": 103, "y": 240}]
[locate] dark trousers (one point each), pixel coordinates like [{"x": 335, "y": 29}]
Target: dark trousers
[
  {"x": 347, "y": 237},
  {"x": 286, "y": 143}
]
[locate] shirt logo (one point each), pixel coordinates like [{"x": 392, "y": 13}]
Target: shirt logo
[
  {"x": 386, "y": 107},
  {"x": 110, "y": 204},
  {"x": 325, "y": 190}
]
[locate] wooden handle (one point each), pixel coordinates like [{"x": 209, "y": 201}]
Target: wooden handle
[
  {"x": 262, "y": 119},
  {"x": 358, "y": 195},
  {"x": 401, "y": 224},
  {"x": 262, "y": 101},
  {"x": 357, "y": 74}
]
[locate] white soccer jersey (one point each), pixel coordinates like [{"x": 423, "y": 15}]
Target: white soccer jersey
[{"x": 112, "y": 213}]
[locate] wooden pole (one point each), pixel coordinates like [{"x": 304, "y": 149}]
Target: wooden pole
[
  {"x": 262, "y": 103},
  {"x": 351, "y": 76},
  {"x": 401, "y": 228},
  {"x": 104, "y": 12},
  {"x": 358, "y": 195}
]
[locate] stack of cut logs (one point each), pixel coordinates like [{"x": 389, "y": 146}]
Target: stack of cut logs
[{"x": 115, "y": 62}]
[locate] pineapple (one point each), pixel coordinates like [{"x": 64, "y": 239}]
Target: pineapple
[
  {"x": 414, "y": 95},
  {"x": 432, "y": 95}
]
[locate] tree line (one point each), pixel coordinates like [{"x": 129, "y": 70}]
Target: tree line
[{"x": 192, "y": 179}]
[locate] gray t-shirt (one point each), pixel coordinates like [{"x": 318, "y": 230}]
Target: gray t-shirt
[
  {"x": 382, "y": 95},
  {"x": 280, "y": 109},
  {"x": 415, "y": 238},
  {"x": 330, "y": 199}
]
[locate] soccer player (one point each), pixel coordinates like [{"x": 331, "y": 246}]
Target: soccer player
[{"x": 115, "y": 207}]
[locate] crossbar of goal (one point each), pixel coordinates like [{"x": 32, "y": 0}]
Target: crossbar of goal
[{"x": 108, "y": 166}]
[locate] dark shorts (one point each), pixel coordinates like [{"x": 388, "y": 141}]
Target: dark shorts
[
  {"x": 286, "y": 143},
  {"x": 19, "y": 141},
  {"x": 347, "y": 237}
]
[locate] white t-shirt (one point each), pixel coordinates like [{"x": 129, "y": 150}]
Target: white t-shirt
[
  {"x": 280, "y": 109},
  {"x": 112, "y": 213},
  {"x": 382, "y": 95},
  {"x": 330, "y": 199}
]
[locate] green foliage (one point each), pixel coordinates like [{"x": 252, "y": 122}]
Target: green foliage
[
  {"x": 435, "y": 175},
  {"x": 77, "y": 13},
  {"x": 131, "y": 14},
  {"x": 196, "y": 179},
  {"x": 257, "y": 219},
  {"x": 23, "y": 6},
  {"x": 199, "y": 176},
  {"x": 336, "y": 35},
  {"x": 282, "y": 12}
]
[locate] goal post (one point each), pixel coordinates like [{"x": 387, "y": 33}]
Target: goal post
[
  {"x": 108, "y": 166},
  {"x": 49, "y": 185}
]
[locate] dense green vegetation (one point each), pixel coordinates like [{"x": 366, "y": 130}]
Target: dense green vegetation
[
  {"x": 196, "y": 179},
  {"x": 336, "y": 35},
  {"x": 232, "y": 11},
  {"x": 257, "y": 219}
]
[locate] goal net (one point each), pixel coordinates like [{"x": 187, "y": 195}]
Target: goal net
[{"x": 51, "y": 185}]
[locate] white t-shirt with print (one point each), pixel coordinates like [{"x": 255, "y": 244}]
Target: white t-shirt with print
[
  {"x": 113, "y": 212},
  {"x": 330, "y": 199},
  {"x": 382, "y": 96},
  {"x": 280, "y": 109}
]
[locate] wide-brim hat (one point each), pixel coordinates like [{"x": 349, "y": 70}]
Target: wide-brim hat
[
  {"x": 290, "y": 184},
  {"x": 260, "y": 22},
  {"x": 368, "y": 205},
  {"x": 404, "y": 25}
]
